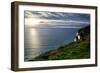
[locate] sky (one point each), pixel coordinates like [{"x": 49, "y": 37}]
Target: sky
[{"x": 40, "y": 19}]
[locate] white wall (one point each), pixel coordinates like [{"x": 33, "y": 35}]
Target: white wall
[{"x": 5, "y": 40}]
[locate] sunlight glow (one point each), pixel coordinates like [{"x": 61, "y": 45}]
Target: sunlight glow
[
  {"x": 33, "y": 38},
  {"x": 33, "y": 22}
]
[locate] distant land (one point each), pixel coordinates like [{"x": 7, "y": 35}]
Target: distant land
[{"x": 79, "y": 49}]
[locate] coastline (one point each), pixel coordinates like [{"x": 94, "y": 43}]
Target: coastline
[{"x": 75, "y": 50}]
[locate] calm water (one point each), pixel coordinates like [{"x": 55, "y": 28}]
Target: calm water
[{"x": 38, "y": 40}]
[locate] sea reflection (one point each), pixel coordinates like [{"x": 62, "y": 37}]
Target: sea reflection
[
  {"x": 31, "y": 43},
  {"x": 38, "y": 40}
]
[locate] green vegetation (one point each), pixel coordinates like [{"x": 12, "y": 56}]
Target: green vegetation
[{"x": 75, "y": 50}]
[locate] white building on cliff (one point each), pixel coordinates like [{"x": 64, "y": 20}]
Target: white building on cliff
[{"x": 77, "y": 37}]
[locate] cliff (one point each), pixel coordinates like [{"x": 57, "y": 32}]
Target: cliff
[{"x": 74, "y": 50}]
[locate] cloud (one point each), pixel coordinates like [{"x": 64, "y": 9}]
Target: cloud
[
  {"x": 43, "y": 14},
  {"x": 59, "y": 19},
  {"x": 30, "y": 14},
  {"x": 63, "y": 22},
  {"x": 58, "y": 15}
]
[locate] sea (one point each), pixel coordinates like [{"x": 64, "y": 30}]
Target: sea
[{"x": 41, "y": 40}]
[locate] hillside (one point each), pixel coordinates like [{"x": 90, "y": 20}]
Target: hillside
[{"x": 75, "y": 50}]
